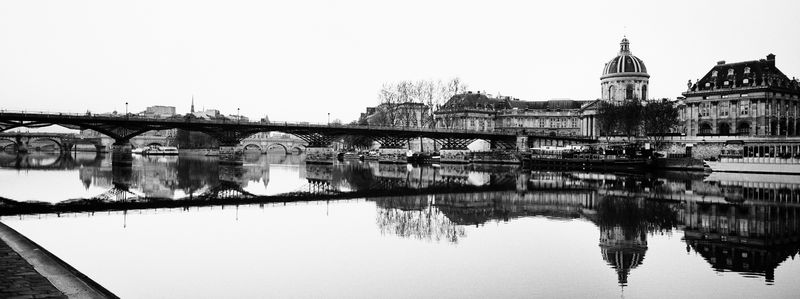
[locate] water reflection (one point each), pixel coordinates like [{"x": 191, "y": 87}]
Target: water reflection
[{"x": 744, "y": 224}]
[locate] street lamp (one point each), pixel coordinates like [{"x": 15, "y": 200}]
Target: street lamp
[
  {"x": 329, "y": 118},
  {"x": 238, "y": 116},
  {"x": 126, "y": 109}
]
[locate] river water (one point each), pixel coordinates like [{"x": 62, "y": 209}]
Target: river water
[{"x": 278, "y": 227}]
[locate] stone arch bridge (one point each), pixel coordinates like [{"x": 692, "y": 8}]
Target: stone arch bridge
[{"x": 21, "y": 142}]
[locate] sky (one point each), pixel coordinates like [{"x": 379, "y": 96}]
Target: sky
[{"x": 300, "y": 60}]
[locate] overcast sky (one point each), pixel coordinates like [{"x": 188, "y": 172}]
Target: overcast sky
[{"x": 299, "y": 60}]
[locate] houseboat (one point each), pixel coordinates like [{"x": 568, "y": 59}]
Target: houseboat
[
  {"x": 160, "y": 150},
  {"x": 757, "y": 158},
  {"x": 573, "y": 157}
]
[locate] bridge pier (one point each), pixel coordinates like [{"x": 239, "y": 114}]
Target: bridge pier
[
  {"x": 393, "y": 150},
  {"x": 230, "y": 154},
  {"x": 454, "y": 150},
  {"x": 121, "y": 154},
  {"x": 319, "y": 149},
  {"x": 121, "y": 176}
]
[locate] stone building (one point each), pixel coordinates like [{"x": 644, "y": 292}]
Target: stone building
[
  {"x": 624, "y": 77},
  {"x": 749, "y": 98},
  {"x": 481, "y": 112}
]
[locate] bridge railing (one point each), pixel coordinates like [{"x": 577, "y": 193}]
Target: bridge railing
[{"x": 51, "y": 114}]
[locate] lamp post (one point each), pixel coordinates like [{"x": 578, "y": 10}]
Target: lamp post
[
  {"x": 126, "y": 109},
  {"x": 329, "y": 118},
  {"x": 238, "y": 116}
]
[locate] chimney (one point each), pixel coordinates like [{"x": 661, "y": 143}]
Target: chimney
[
  {"x": 771, "y": 57},
  {"x": 720, "y": 62}
]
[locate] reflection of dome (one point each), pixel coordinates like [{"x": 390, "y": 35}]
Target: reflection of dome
[
  {"x": 622, "y": 251},
  {"x": 625, "y": 62}
]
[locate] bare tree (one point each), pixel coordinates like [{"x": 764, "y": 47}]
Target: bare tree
[{"x": 660, "y": 117}]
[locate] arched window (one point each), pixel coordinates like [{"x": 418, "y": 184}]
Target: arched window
[
  {"x": 629, "y": 92},
  {"x": 611, "y": 92},
  {"x": 724, "y": 129},
  {"x": 644, "y": 92},
  {"x": 705, "y": 129},
  {"x": 743, "y": 128}
]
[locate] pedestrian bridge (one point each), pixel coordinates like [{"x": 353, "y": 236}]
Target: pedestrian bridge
[{"x": 230, "y": 133}]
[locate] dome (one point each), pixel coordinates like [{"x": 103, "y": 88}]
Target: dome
[{"x": 625, "y": 62}]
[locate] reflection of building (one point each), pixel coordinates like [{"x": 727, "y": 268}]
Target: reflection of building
[
  {"x": 752, "y": 238},
  {"x": 622, "y": 251},
  {"x": 748, "y": 98}
]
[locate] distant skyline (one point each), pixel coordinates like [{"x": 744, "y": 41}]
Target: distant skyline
[{"x": 300, "y": 60}]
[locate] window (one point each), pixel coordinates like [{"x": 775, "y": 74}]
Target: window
[
  {"x": 629, "y": 92},
  {"x": 744, "y": 108},
  {"x": 644, "y": 92},
  {"x": 704, "y": 109},
  {"x": 730, "y": 72},
  {"x": 746, "y": 81},
  {"x": 747, "y": 70},
  {"x": 714, "y": 74},
  {"x": 724, "y": 109}
]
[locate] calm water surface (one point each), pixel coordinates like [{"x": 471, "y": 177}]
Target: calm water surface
[{"x": 277, "y": 227}]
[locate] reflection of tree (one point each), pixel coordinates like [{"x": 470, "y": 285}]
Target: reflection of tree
[
  {"x": 424, "y": 223},
  {"x": 195, "y": 174}
]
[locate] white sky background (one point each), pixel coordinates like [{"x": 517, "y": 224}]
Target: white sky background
[{"x": 299, "y": 60}]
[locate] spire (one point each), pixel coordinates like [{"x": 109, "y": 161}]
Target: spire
[
  {"x": 192, "y": 104},
  {"x": 624, "y": 46}
]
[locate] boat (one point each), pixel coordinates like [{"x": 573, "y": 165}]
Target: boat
[
  {"x": 755, "y": 165},
  {"x": 342, "y": 156},
  {"x": 138, "y": 150},
  {"x": 371, "y": 156},
  {"x": 160, "y": 150},
  {"x": 571, "y": 158},
  {"x": 757, "y": 158},
  {"x": 424, "y": 158}
]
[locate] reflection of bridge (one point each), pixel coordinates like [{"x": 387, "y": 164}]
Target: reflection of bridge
[
  {"x": 65, "y": 142},
  {"x": 48, "y": 161},
  {"x": 231, "y": 133}
]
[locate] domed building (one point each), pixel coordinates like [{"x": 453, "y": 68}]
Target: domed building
[{"x": 624, "y": 76}]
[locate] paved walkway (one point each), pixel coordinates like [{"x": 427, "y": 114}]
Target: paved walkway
[
  {"x": 18, "y": 279},
  {"x": 30, "y": 271}
]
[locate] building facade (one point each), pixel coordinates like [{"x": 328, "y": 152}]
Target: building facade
[
  {"x": 481, "y": 112},
  {"x": 749, "y": 98}
]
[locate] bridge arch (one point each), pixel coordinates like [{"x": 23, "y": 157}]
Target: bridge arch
[
  {"x": 58, "y": 143},
  {"x": 274, "y": 145},
  {"x": 252, "y": 146}
]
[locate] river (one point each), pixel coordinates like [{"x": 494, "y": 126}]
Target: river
[{"x": 279, "y": 227}]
